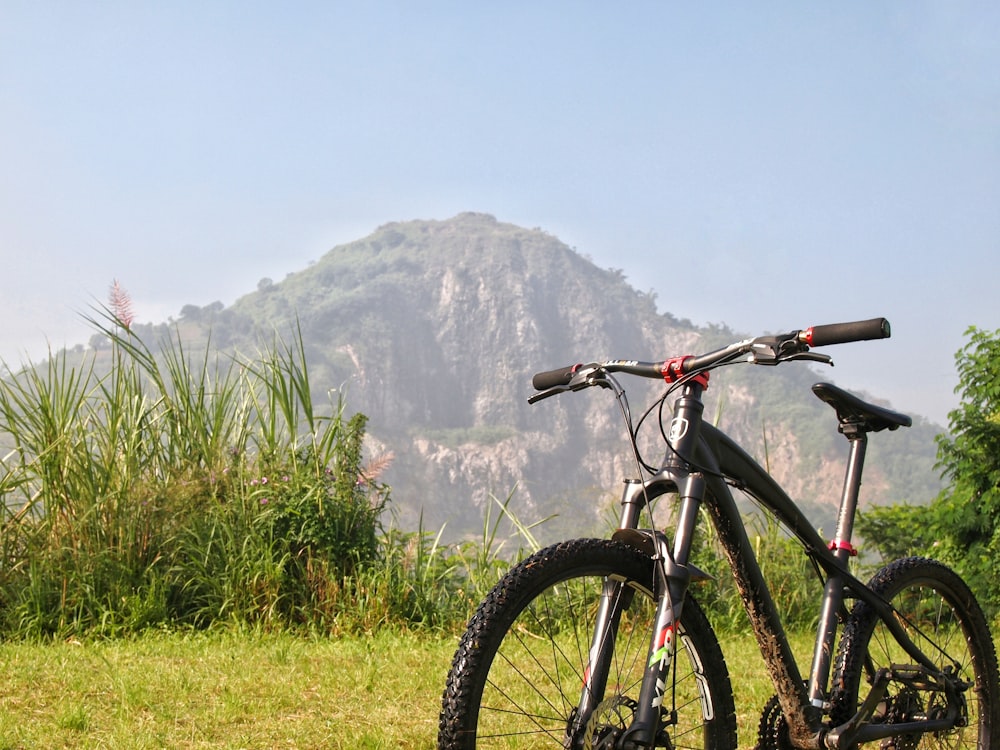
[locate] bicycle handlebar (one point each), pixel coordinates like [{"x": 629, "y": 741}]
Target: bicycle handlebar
[
  {"x": 762, "y": 350},
  {"x": 845, "y": 333},
  {"x": 542, "y": 381}
]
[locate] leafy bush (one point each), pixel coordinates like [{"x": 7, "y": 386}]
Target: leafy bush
[
  {"x": 961, "y": 527},
  {"x": 145, "y": 487}
]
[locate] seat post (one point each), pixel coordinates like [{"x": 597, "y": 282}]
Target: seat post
[
  {"x": 857, "y": 436},
  {"x": 843, "y": 549}
]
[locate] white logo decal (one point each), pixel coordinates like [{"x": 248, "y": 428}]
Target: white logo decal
[{"x": 678, "y": 429}]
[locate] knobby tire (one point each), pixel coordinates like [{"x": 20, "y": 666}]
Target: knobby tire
[
  {"x": 516, "y": 678},
  {"x": 944, "y": 620}
]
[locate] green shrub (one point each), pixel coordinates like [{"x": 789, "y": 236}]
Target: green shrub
[{"x": 145, "y": 487}]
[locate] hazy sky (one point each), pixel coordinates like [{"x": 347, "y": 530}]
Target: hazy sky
[{"x": 767, "y": 165}]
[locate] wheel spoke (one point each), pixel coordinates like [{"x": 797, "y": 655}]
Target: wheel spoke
[
  {"x": 519, "y": 673},
  {"x": 942, "y": 619}
]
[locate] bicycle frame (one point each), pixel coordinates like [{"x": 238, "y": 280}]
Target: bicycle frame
[{"x": 699, "y": 467}]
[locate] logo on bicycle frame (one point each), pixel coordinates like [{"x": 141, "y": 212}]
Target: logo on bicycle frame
[
  {"x": 662, "y": 654},
  {"x": 678, "y": 429}
]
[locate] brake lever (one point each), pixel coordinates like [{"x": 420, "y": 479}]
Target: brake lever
[
  {"x": 771, "y": 361},
  {"x": 771, "y": 358},
  {"x": 534, "y": 399},
  {"x": 768, "y": 350},
  {"x": 825, "y": 359}
]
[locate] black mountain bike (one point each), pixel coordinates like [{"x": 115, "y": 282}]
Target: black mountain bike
[{"x": 600, "y": 643}]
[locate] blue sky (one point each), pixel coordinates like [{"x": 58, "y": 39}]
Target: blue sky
[{"x": 766, "y": 165}]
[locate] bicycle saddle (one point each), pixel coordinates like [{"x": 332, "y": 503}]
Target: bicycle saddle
[{"x": 856, "y": 413}]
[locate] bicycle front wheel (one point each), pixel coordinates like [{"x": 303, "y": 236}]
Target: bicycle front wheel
[
  {"x": 517, "y": 676},
  {"x": 943, "y": 619}
]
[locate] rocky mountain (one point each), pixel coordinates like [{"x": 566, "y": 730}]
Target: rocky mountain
[{"x": 434, "y": 328}]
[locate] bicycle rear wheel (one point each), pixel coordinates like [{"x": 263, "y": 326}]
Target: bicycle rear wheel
[
  {"x": 944, "y": 620},
  {"x": 517, "y": 675}
]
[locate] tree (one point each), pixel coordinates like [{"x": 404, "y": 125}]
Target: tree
[
  {"x": 899, "y": 530},
  {"x": 961, "y": 526},
  {"x": 968, "y": 510},
  {"x": 190, "y": 312}
]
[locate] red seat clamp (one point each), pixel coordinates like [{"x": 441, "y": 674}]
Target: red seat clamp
[{"x": 837, "y": 545}]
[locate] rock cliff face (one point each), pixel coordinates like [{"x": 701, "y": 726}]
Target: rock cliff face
[{"x": 434, "y": 328}]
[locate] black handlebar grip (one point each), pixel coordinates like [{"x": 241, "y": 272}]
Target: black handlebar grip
[
  {"x": 844, "y": 333},
  {"x": 542, "y": 381}
]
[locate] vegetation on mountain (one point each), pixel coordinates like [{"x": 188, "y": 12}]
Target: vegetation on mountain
[{"x": 433, "y": 330}]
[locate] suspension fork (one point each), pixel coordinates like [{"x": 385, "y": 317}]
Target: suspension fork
[
  {"x": 616, "y": 597},
  {"x": 672, "y": 569},
  {"x": 673, "y": 578}
]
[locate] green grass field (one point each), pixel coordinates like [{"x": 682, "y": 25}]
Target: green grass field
[{"x": 238, "y": 690}]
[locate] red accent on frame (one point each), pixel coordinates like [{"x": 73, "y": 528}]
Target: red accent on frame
[
  {"x": 664, "y": 636},
  {"x": 836, "y": 545}
]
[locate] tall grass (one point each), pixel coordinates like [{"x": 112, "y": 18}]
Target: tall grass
[
  {"x": 144, "y": 486},
  {"x": 789, "y": 573}
]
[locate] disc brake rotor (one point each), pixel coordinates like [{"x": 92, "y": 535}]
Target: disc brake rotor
[{"x": 608, "y": 722}]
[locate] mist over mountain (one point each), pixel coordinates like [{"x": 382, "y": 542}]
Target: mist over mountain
[{"x": 434, "y": 329}]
